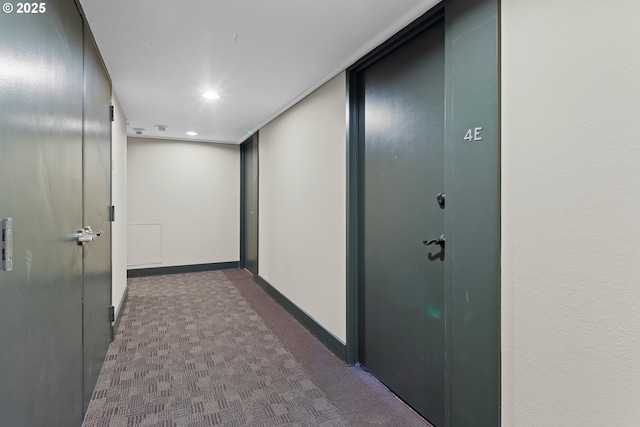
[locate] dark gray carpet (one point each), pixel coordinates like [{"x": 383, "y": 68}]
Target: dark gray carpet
[
  {"x": 191, "y": 351},
  {"x": 359, "y": 397}
]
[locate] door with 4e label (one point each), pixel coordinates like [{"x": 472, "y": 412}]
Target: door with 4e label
[{"x": 403, "y": 246}]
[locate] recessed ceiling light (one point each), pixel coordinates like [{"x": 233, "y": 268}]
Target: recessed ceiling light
[
  {"x": 192, "y": 133},
  {"x": 211, "y": 95}
]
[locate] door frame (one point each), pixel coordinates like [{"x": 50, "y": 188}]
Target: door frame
[
  {"x": 94, "y": 69},
  {"x": 481, "y": 20}
]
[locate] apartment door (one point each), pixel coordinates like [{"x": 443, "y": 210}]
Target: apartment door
[
  {"x": 54, "y": 181},
  {"x": 41, "y": 74},
  {"x": 401, "y": 301},
  {"x": 250, "y": 205},
  {"x": 96, "y": 201}
]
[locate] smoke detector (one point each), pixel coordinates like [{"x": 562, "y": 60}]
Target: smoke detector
[
  {"x": 138, "y": 131},
  {"x": 161, "y": 128}
]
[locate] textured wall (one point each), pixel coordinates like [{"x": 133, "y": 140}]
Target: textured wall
[
  {"x": 570, "y": 211},
  {"x": 302, "y": 222},
  {"x": 184, "y": 203}
]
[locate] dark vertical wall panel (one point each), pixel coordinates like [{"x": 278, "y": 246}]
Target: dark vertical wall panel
[
  {"x": 249, "y": 211},
  {"x": 97, "y": 198},
  {"x": 41, "y": 188},
  {"x": 473, "y": 213}
]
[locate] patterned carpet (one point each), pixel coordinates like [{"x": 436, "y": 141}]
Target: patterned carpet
[{"x": 191, "y": 351}]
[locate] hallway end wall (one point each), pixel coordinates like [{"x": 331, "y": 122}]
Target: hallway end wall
[
  {"x": 302, "y": 205},
  {"x": 570, "y": 210},
  {"x": 119, "y": 200},
  {"x": 183, "y": 203}
]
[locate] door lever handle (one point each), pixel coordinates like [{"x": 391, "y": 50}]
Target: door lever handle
[
  {"x": 90, "y": 232},
  {"x": 86, "y": 234},
  {"x": 438, "y": 241}
]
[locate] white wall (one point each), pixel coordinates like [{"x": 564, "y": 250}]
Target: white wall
[
  {"x": 570, "y": 213},
  {"x": 119, "y": 200},
  {"x": 302, "y": 205},
  {"x": 184, "y": 203}
]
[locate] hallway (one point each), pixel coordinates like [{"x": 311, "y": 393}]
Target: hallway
[{"x": 213, "y": 348}]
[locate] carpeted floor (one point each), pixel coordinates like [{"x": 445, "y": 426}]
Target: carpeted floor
[{"x": 191, "y": 350}]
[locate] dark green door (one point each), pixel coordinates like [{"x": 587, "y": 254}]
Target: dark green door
[
  {"x": 54, "y": 179},
  {"x": 250, "y": 205},
  {"x": 402, "y": 335},
  {"x": 41, "y": 190},
  {"x": 97, "y": 198}
]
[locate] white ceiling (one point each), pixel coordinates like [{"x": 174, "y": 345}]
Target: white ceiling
[{"x": 261, "y": 56}]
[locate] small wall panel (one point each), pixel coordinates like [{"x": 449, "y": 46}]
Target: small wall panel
[{"x": 144, "y": 245}]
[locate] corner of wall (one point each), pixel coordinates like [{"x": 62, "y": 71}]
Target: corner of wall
[{"x": 119, "y": 200}]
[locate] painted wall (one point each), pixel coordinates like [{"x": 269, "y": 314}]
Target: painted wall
[
  {"x": 302, "y": 205},
  {"x": 119, "y": 200},
  {"x": 183, "y": 203},
  {"x": 570, "y": 212}
]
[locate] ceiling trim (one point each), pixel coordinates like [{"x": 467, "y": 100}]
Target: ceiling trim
[
  {"x": 391, "y": 30},
  {"x": 167, "y": 138}
]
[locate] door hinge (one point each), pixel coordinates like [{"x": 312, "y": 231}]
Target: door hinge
[
  {"x": 112, "y": 213},
  {"x": 6, "y": 261},
  {"x": 112, "y": 314},
  {"x": 112, "y": 114}
]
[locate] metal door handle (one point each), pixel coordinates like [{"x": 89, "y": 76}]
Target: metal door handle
[
  {"x": 438, "y": 241},
  {"x": 86, "y": 234}
]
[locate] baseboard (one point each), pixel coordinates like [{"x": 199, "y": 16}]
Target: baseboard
[
  {"x": 325, "y": 337},
  {"x": 195, "y": 268}
]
